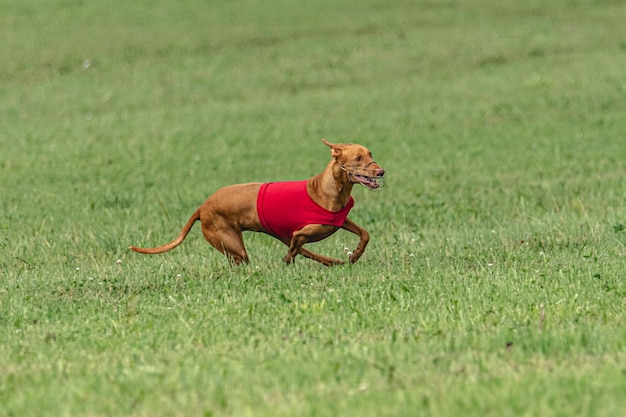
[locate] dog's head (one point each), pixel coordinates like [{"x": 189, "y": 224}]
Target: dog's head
[{"x": 356, "y": 161}]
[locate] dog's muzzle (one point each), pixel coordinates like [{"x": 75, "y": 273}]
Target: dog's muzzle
[{"x": 370, "y": 178}]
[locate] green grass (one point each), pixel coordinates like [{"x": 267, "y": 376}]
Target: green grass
[{"x": 494, "y": 281}]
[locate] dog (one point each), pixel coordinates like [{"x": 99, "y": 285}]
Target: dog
[{"x": 294, "y": 212}]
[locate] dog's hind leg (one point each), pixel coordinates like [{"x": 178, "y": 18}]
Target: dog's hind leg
[
  {"x": 230, "y": 243},
  {"x": 225, "y": 239}
]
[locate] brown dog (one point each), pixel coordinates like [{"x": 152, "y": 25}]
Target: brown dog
[{"x": 295, "y": 212}]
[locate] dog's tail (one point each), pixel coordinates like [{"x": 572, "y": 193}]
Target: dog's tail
[{"x": 173, "y": 243}]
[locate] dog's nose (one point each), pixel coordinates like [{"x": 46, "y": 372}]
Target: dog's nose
[{"x": 380, "y": 172}]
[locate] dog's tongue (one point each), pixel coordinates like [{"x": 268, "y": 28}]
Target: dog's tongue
[
  {"x": 372, "y": 183},
  {"x": 368, "y": 182}
]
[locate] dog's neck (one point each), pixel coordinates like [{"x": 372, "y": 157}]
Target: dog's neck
[{"x": 331, "y": 188}]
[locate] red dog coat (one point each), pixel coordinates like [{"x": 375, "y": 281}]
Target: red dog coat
[{"x": 285, "y": 207}]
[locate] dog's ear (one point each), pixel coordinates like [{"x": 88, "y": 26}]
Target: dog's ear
[{"x": 335, "y": 149}]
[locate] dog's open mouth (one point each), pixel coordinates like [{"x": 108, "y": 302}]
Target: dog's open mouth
[{"x": 370, "y": 182}]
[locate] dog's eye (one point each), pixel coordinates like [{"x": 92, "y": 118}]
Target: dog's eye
[{"x": 358, "y": 159}]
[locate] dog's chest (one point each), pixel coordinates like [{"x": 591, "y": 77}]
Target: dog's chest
[{"x": 284, "y": 207}]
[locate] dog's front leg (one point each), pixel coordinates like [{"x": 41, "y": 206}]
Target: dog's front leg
[
  {"x": 364, "y": 238},
  {"x": 326, "y": 260},
  {"x": 310, "y": 233}
]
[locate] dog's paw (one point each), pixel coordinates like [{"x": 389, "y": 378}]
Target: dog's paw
[
  {"x": 334, "y": 262},
  {"x": 355, "y": 256}
]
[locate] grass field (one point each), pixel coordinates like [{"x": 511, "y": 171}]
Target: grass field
[{"x": 494, "y": 284}]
